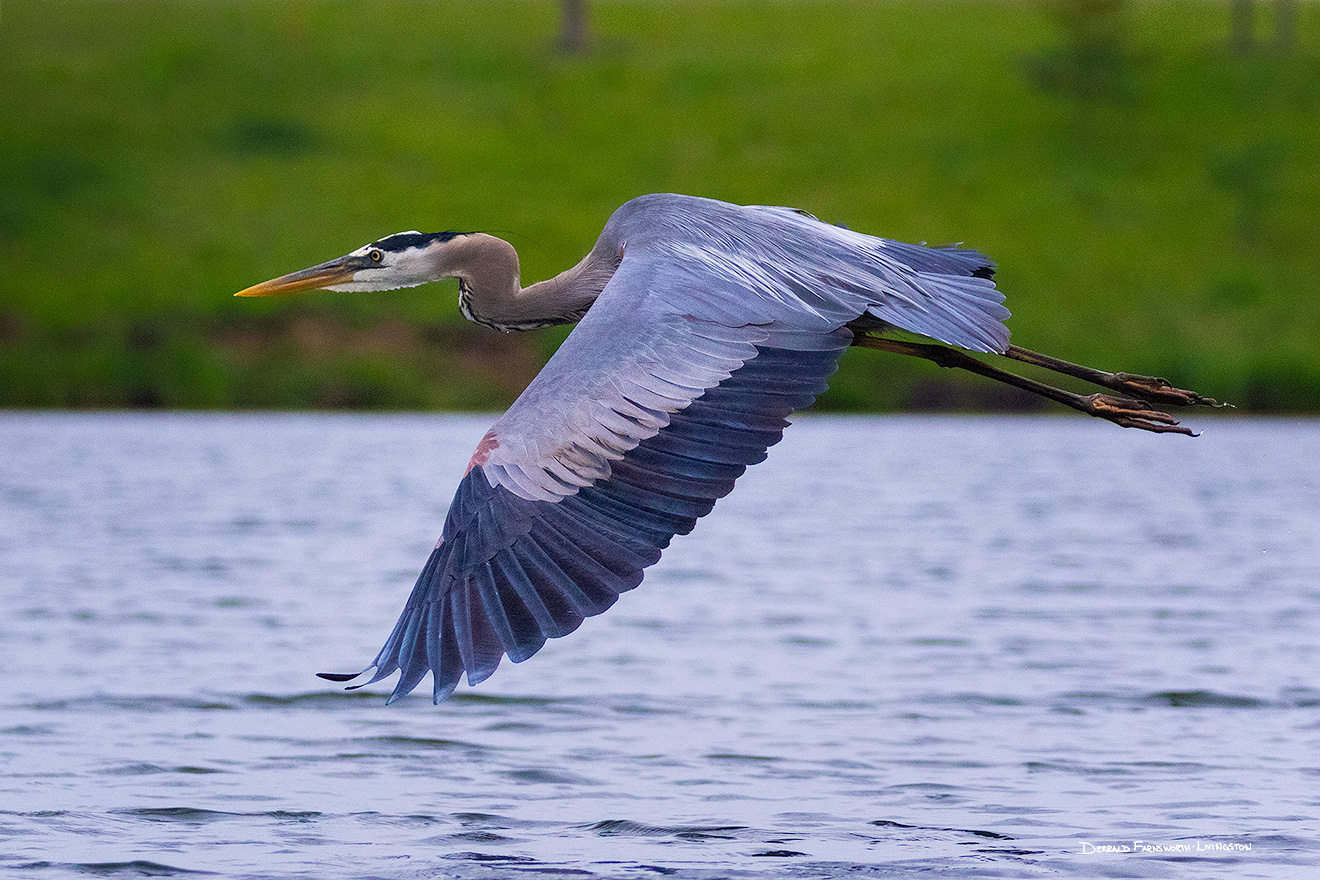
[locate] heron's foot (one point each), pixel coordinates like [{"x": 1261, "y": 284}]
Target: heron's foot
[
  {"x": 1156, "y": 390},
  {"x": 1131, "y": 412}
]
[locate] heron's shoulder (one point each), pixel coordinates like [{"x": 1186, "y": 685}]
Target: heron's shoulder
[
  {"x": 662, "y": 203},
  {"x": 659, "y": 221},
  {"x": 668, "y": 213}
]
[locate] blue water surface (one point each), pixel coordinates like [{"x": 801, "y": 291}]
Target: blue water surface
[{"x": 970, "y": 647}]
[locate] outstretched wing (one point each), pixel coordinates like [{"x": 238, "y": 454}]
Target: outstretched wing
[
  {"x": 681, "y": 375},
  {"x": 635, "y": 427}
]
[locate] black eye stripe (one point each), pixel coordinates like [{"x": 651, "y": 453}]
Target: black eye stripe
[{"x": 401, "y": 241}]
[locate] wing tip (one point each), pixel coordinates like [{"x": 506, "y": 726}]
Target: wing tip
[{"x": 341, "y": 677}]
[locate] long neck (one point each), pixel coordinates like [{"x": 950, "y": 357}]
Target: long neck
[{"x": 490, "y": 293}]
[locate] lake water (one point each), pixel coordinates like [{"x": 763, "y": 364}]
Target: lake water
[{"x": 970, "y": 647}]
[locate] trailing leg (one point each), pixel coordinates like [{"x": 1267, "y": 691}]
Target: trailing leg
[
  {"x": 1132, "y": 411},
  {"x": 1146, "y": 387}
]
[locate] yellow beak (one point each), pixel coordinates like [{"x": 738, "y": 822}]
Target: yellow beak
[{"x": 337, "y": 271}]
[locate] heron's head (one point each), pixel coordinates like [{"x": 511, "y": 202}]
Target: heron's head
[{"x": 405, "y": 259}]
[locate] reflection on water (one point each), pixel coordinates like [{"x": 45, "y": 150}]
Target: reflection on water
[{"x": 985, "y": 647}]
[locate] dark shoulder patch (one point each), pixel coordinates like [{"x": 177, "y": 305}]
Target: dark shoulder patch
[
  {"x": 401, "y": 241},
  {"x": 986, "y": 272}
]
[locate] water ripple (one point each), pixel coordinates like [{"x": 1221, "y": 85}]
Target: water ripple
[
  {"x": 137, "y": 868},
  {"x": 618, "y": 827}
]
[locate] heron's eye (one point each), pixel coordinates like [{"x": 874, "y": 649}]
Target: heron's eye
[{"x": 376, "y": 255}]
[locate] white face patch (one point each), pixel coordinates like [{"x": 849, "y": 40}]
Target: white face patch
[{"x": 407, "y": 267}]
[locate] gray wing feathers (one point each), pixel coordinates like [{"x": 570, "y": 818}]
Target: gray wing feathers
[
  {"x": 627, "y": 367},
  {"x": 510, "y": 573},
  {"x": 776, "y": 266}
]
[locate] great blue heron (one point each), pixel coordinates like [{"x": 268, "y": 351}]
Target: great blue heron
[{"x": 701, "y": 326}]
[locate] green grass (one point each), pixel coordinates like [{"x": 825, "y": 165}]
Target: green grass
[{"x": 1153, "y": 211}]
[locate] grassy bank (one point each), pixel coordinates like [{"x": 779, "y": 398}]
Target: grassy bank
[{"x": 1152, "y": 206}]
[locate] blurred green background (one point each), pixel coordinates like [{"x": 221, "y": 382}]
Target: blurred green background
[{"x": 1148, "y": 186}]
